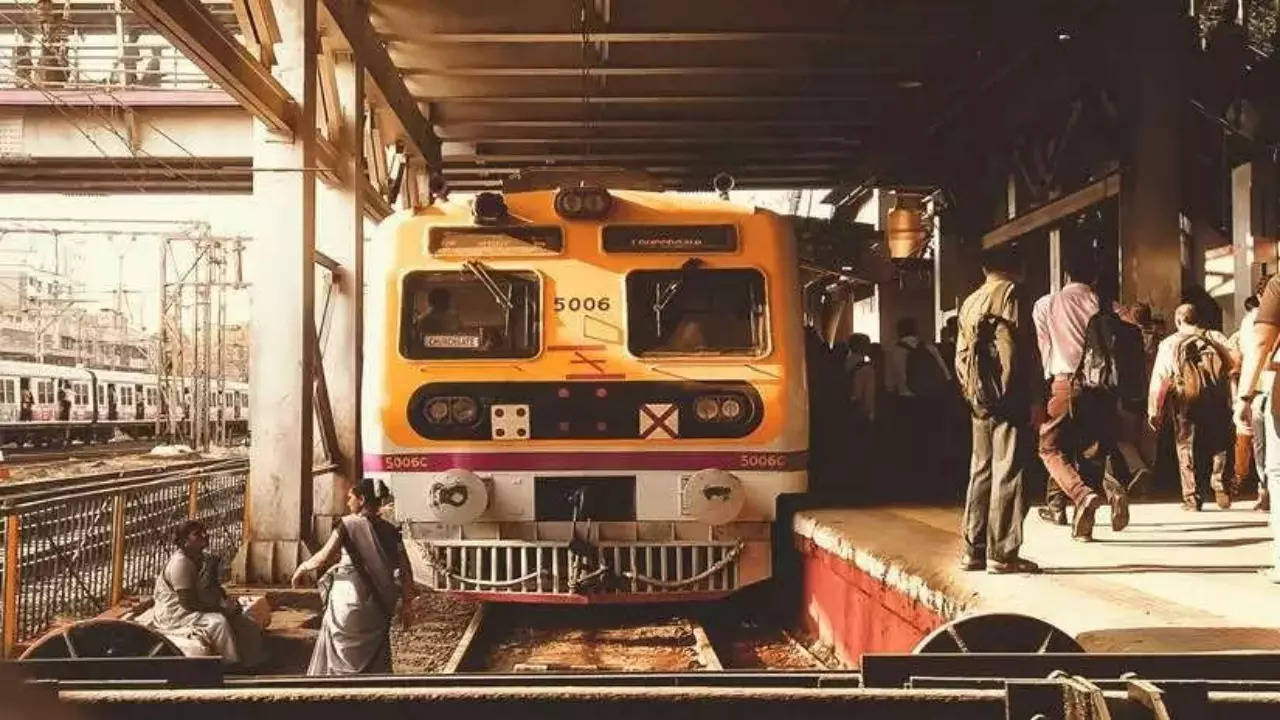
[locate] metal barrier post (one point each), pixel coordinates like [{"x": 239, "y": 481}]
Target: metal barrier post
[
  {"x": 117, "y": 550},
  {"x": 193, "y": 495},
  {"x": 11, "y": 556}
]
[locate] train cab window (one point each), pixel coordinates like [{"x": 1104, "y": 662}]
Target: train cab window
[
  {"x": 473, "y": 313},
  {"x": 80, "y": 393},
  {"x": 696, "y": 311}
]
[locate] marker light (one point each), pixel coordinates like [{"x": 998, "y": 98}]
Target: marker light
[{"x": 583, "y": 203}]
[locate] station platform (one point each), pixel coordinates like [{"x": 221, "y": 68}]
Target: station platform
[{"x": 880, "y": 579}]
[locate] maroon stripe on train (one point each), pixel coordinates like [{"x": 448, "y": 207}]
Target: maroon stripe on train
[{"x": 632, "y": 460}]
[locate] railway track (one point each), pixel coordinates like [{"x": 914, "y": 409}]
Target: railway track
[
  {"x": 26, "y": 457},
  {"x": 21, "y": 491},
  {"x": 506, "y": 638}
]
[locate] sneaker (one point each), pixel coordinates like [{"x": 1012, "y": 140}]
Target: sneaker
[
  {"x": 1119, "y": 512},
  {"x": 1222, "y": 498},
  {"x": 1082, "y": 523},
  {"x": 972, "y": 562},
  {"x": 1191, "y": 504},
  {"x": 1264, "y": 501},
  {"x": 1011, "y": 566},
  {"x": 1052, "y": 515}
]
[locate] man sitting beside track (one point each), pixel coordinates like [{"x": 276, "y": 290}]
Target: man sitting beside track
[{"x": 193, "y": 610}]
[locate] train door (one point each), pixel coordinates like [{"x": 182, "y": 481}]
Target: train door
[
  {"x": 26, "y": 400},
  {"x": 81, "y": 403},
  {"x": 151, "y": 409},
  {"x": 45, "y": 399},
  {"x": 139, "y": 409},
  {"x": 8, "y": 399}
]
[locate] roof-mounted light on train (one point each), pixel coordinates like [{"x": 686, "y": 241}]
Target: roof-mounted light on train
[
  {"x": 489, "y": 208},
  {"x": 583, "y": 203}
]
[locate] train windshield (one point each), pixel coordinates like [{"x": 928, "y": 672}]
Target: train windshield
[
  {"x": 695, "y": 311},
  {"x": 476, "y": 312}
]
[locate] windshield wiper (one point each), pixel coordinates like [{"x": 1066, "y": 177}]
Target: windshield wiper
[
  {"x": 664, "y": 296},
  {"x": 482, "y": 274}
]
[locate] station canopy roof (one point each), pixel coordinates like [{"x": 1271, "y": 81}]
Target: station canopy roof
[{"x": 786, "y": 94}]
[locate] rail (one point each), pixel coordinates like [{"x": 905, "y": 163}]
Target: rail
[{"x": 80, "y": 551}]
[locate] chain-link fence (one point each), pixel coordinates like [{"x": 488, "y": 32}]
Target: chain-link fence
[{"x": 78, "y": 554}]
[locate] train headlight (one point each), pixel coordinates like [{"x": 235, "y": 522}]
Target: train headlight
[
  {"x": 706, "y": 408},
  {"x": 458, "y": 497},
  {"x": 464, "y": 411},
  {"x": 731, "y": 409},
  {"x": 712, "y": 496},
  {"x": 437, "y": 410},
  {"x": 583, "y": 203}
]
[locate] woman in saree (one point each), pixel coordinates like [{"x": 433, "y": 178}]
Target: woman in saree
[{"x": 367, "y": 569}]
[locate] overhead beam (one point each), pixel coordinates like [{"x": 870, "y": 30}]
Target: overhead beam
[
  {"x": 916, "y": 37},
  {"x": 191, "y": 28},
  {"x": 656, "y": 70},
  {"x": 651, "y": 99},
  {"x": 655, "y": 123},
  {"x": 352, "y": 19},
  {"x": 579, "y": 141},
  {"x": 755, "y": 154}
]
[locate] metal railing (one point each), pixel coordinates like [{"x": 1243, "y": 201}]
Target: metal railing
[{"x": 78, "y": 554}]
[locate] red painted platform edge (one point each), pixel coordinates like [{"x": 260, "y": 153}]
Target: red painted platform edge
[{"x": 856, "y": 613}]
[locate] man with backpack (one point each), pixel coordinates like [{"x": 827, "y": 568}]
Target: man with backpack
[
  {"x": 998, "y": 370},
  {"x": 1193, "y": 368}
]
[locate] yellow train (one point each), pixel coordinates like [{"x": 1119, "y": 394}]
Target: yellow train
[{"x": 585, "y": 395}]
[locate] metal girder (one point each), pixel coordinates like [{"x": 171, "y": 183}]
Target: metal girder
[
  {"x": 656, "y": 123},
  {"x": 728, "y": 141},
  {"x": 684, "y": 158},
  {"x": 352, "y": 19},
  {"x": 853, "y": 37},
  {"x": 191, "y": 28},
  {"x": 655, "y": 70},
  {"x": 651, "y": 99}
]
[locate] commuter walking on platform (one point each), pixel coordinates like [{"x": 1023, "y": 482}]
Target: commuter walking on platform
[
  {"x": 1251, "y": 439},
  {"x": 1193, "y": 367},
  {"x": 1061, "y": 319},
  {"x": 917, "y": 382},
  {"x": 998, "y": 369},
  {"x": 1259, "y": 351},
  {"x": 368, "y": 569}
]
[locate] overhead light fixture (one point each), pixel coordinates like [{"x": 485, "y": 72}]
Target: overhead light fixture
[
  {"x": 910, "y": 84},
  {"x": 1063, "y": 36}
]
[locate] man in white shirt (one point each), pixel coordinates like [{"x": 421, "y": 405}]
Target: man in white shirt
[
  {"x": 1061, "y": 319},
  {"x": 1201, "y": 404},
  {"x": 1251, "y": 439}
]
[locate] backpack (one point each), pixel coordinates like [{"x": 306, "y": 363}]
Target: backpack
[
  {"x": 925, "y": 377},
  {"x": 1113, "y": 358},
  {"x": 1200, "y": 375},
  {"x": 985, "y": 357}
]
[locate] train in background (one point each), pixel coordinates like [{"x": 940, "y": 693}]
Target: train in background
[
  {"x": 82, "y": 404},
  {"x": 586, "y": 395}
]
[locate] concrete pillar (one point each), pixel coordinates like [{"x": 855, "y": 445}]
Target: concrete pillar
[
  {"x": 1150, "y": 197},
  {"x": 282, "y": 336},
  {"x": 1242, "y": 235},
  {"x": 341, "y": 237}
]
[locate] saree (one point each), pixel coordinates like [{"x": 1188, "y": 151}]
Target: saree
[{"x": 355, "y": 632}]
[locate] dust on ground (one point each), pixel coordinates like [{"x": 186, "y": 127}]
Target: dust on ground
[
  {"x": 439, "y": 621},
  {"x": 599, "y": 638},
  {"x": 752, "y": 645}
]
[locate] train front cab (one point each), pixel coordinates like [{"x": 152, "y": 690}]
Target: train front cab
[{"x": 601, "y": 410}]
